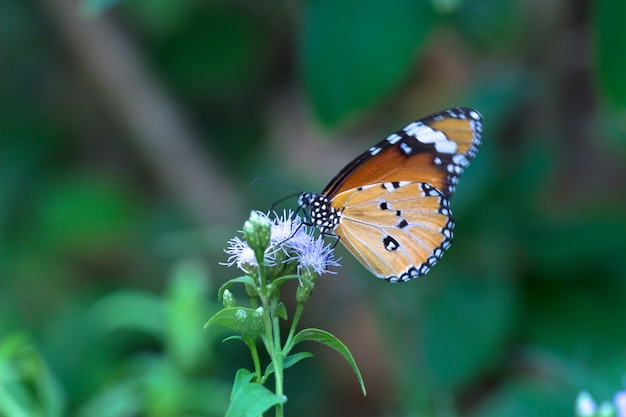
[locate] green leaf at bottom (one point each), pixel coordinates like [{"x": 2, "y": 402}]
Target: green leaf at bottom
[
  {"x": 329, "y": 340},
  {"x": 252, "y": 400}
]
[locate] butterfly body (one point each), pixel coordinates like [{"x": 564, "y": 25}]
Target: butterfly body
[{"x": 390, "y": 207}]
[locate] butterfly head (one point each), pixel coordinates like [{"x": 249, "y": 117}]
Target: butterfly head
[{"x": 320, "y": 212}]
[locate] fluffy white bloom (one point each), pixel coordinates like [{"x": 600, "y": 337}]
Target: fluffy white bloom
[{"x": 290, "y": 236}]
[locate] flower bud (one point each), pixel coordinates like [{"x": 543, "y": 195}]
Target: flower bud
[
  {"x": 257, "y": 232},
  {"x": 307, "y": 283},
  {"x": 241, "y": 321},
  {"x": 251, "y": 291},
  {"x": 254, "y": 324},
  {"x": 257, "y": 318},
  {"x": 229, "y": 299}
]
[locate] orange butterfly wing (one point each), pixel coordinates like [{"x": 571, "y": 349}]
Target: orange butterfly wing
[
  {"x": 396, "y": 230},
  {"x": 434, "y": 150},
  {"x": 390, "y": 206}
]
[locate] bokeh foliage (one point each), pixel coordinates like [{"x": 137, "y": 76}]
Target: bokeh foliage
[{"x": 524, "y": 312}]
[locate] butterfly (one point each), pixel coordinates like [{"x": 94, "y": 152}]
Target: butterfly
[{"x": 390, "y": 207}]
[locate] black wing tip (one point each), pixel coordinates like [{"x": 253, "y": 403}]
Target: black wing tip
[{"x": 459, "y": 112}]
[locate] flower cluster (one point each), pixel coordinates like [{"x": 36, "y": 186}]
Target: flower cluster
[
  {"x": 291, "y": 243},
  {"x": 273, "y": 251},
  {"x": 587, "y": 407}
]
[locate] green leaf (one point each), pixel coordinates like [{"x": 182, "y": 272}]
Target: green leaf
[
  {"x": 281, "y": 280},
  {"x": 233, "y": 337},
  {"x": 291, "y": 360},
  {"x": 609, "y": 37},
  {"x": 251, "y": 399},
  {"x": 331, "y": 341},
  {"x": 240, "y": 319},
  {"x": 245, "y": 279},
  {"x": 230, "y": 317},
  {"x": 288, "y": 362},
  {"x": 355, "y": 52},
  {"x": 242, "y": 378},
  {"x": 281, "y": 310}
]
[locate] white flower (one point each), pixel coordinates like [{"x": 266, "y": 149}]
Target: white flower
[
  {"x": 316, "y": 256},
  {"x": 288, "y": 231},
  {"x": 242, "y": 255},
  {"x": 585, "y": 405},
  {"x": 290, "y": 236},
  {"x": 619, "y": 400}
]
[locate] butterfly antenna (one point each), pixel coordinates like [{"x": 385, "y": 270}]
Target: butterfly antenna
[
  {"x": 284, "y": 184},
  {"x": 275, "y": 203}
]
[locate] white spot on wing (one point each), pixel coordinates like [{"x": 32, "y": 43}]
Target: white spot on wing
[
  {"x": 393, "y": 138},
  {"x": 460, "y": 159},
  {"x": 427, "y": 135}
]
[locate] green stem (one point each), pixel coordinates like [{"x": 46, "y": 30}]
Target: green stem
[
  {"x": 253, "y": 303},
  {"x": 292, "y": 330},
  {"x": 272, "y": 340},
  {"x": 277, "y": 356},
  {"x": 256, "y": 360},
  {"x": 269, "y": 301}
]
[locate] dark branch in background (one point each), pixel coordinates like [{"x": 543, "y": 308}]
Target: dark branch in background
[{"x": 139, "y": 104}]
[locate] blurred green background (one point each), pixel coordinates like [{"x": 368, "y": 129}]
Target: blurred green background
[{"x": 130, "y": 132}]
